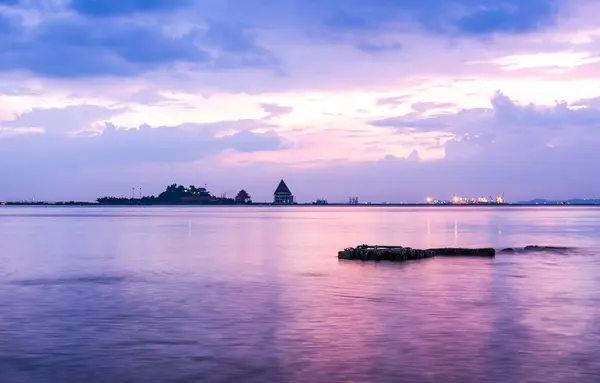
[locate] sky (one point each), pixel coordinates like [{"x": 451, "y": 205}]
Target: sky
[{"x": 384, "y": 100}]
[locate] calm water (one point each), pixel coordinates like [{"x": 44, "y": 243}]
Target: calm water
[{"x": 258, "y": 295}]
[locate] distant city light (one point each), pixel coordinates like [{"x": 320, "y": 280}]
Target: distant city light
[{"x": 457, "y": 200}]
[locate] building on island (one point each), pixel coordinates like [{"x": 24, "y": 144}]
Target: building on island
[{"x": 283, "y": 195}]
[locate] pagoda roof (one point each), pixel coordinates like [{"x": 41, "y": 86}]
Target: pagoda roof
[{"x": 282, "y": 188}]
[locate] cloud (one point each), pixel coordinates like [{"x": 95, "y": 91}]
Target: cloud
[
  {"x": 533, "y": 172},
  {"x": 370, "y": 47},
  {"x": 504, "y": 116},
  {"x": 122, "y": 47},
  {"x": 237, "y": 48},
  {"x": 148, "y": 96},
  {"x": 392, "y": 101},
  {"x": 469, "y": 17},
  {"x": 446, "y": 122},
  {"x": 104, "y": 8},
  {"x": 508, "y": 16},
  {"x": 5, "y": 24},
  {"x": 85, "y": 117},
  {"x": 427, "y": 106},
  {"x": 248, "y": 142},
  {"x": 275, "y": 110},
  {"x": 17, "y": 90},
  {"x": 242, "y": 125},
  {"x": 93, "y": 47},
  {"x": 211, "y": 38},
  {"x": 60, "y": 120},
  {"x": 521, "y": 171},
  {"x": 346, "y": 20},
  {"x": 230, "y": 38},
  {"x": 523, "y": 148},
  {"x": 114, "y": 146},
  {"x": 335, "y": 70},
  {"x": 520, "y": 149}
]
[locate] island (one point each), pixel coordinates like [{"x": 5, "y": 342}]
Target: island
[{"x": 180, "y": 195}]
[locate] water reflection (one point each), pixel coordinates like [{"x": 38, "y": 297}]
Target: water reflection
[{"x": 255, "y": 294}]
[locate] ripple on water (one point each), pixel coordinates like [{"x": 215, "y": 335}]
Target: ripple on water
[{"x": 98, "y": 280}]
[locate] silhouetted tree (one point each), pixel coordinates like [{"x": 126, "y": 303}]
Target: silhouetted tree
[
  {"x": 176, "y": 194},
  {"x": 243, "y": 197}
]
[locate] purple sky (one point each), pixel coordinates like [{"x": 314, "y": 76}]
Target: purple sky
[{"x": 386, "y": 100}]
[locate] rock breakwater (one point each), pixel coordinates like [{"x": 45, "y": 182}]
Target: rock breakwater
[{"x": 399, "y": 253}]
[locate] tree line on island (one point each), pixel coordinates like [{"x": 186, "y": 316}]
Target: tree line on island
[{"x": 180, "y": 195}]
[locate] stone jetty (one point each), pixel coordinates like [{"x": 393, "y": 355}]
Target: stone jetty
[{"x": 399, "y": 253}]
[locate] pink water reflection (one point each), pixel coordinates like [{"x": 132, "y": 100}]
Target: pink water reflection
[{"x": 259, "y": 294}]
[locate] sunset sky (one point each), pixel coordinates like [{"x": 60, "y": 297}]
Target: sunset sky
[{"x": 386, "y": 100}]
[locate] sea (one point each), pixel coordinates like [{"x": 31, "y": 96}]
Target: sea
[{"x": 257, "y": 294}]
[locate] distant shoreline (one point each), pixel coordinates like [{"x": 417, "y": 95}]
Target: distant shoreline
[{"x": 249, "y": 205}]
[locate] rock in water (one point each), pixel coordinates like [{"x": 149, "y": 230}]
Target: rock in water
[
  {"x": 535, "y": 249},
  {"x": 483, "y": 252},
  {"x": 399, "y": 253},
  {"x": 555, "y": 249},
  {"x": 383, "y": 253}
]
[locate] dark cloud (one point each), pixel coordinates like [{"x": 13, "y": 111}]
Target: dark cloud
[
  {"x": 236, "y": 48},
  {"x": 104, "y": 8},
  {"x": 506, "y": 147},
  {"x": 503, "y": 16},
  {"x": 121, "y": 43},
  {"x": 72, "y": 48},
  {"x": 230, "y": 38},
  {"x": 78, "y": 47},
  {"x": 471, "y": 17}
]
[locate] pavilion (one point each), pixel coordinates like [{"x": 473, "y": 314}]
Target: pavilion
[{"x": 283, "y": 195}]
